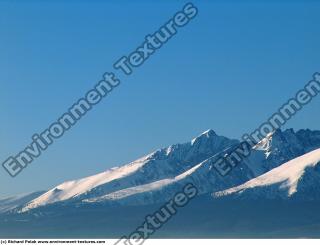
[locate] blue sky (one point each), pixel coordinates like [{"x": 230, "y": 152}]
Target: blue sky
[{"x": 229, "y": 69}]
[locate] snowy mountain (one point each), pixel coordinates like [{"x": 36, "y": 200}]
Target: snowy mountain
[
  {"x": 202, "y": 175},
  {"x": 274, "y": 150},
  {"x": 274, "y": 192},
  {"x": 280, "y": 147},
  {"x": 159, "y": 175},
  {"x": 287, "y": 145},
  {"x": 298, "y": 178},
  {"x": 160, "y": 165},
  {"x": 10, "y": 203}
]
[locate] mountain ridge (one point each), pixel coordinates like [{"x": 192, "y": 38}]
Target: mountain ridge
[
  {"x": 158, "y": 175},
  {"x": 282, "y": 182}
]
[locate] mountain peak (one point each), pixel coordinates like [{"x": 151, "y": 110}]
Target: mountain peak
[
  {"x": 164, "y": 170},
  {"x": 206, "y": 134},
  {"x": 209, "y": 132}
]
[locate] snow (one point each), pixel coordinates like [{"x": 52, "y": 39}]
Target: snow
[
  {"x": 144, "y": 188},
  {"x": 265, "y": 144},
  {"x": 75, "y": 188},
  {"x": 207, "y": 134},
  {"x": 288, "y": 175},
  {"x": 167, "y": 163},
  {"x": 158, "y": 175},
  {"x": 9, "y": 203}
]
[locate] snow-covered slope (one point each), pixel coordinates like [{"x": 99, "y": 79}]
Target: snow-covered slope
[
  {"x": 298, "y": 178},
  {"x": 72, "y": 189},
  {"x": 288, "y": 144},
  {"x": 159, "y": 165},
  {"x": 280, "y": 147},
  {"x": 203, "y": 176},
  {"x": 146, "y": 189},
  {"x": 157, "y": 176},
  {"x": 13, "y": 202}
]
